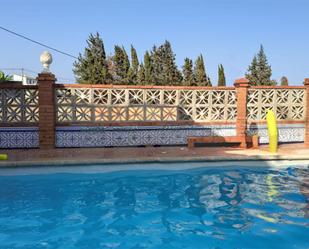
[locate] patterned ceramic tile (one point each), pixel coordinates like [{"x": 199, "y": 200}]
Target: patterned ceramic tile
[
  {"x": 287, "y": 133},
  {"x": 135, "y": 135},
  {"x": 19, "y": 138}
]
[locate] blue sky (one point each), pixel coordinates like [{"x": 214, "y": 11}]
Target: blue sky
[{"x": 224, "y": 31}]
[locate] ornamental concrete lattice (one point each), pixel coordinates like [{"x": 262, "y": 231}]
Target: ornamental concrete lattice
[{"x": 50, "y": 114}]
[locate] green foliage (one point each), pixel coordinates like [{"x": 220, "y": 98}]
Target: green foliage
[
  {"x": 259, "y": 72},
  {"x": 91, "y": 68},
  {"x": 148, "y": 69},
  {"x": 133, "y": 71},
  {"x": 141, "y": 75},
  {"x": 187, "y": 71},
  {"x": 4, "y": 77},
  {"x": 200, "y": 76},
  {"x": 221, "y": 76},
  {"x": 122, "y": 65},
  {"x": 284, "y": 81},
  {"x": 134, "y": 60},
  {"x": 165, "y": 71}
]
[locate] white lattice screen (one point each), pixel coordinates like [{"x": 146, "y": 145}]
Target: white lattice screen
[
  {"x": 19, "y": 106},
  {"x": 117, "y": 105},
  {"x": 288, "y": 104}
]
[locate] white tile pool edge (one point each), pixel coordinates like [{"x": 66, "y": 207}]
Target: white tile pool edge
[{"x": 155, "y": 166}]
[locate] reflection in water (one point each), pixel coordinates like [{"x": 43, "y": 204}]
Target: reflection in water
[
  {"x": 188, "y": 209},
  {"x": 272, "y": 189},
  {"x": 303, "y": 176}
]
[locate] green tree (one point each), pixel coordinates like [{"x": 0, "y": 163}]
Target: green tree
[
  {"x": 259, "y": 72},
  {"x": 133, "y": 71},
  {"x": 221, "y": 76},
  {"x": 187, "y": 71},
  {"x": 165, "y": 71},
  {"x": 134, "y": 60},
  {"x": 200, "y": 76},
  {"x": 148, "y": 69},
  {"x": 252, "y": 73},
  {"x": 91, "y": 68},
  {"x": 121, "y": 64},
  {"x": 141, "y": 75},
  {"x": 284, "y": 81},
  {"x": 4, "y": 77}
]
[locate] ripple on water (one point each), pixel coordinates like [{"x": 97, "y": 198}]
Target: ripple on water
[{"x": 203, "y": 208}]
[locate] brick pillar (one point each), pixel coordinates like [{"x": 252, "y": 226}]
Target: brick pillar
[
  {"x": 241, "y": 86},
  {"x": 306, "y": 83},
  {"x": 46, "y": 83}
]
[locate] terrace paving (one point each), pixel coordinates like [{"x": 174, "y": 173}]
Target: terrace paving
[{"x": 72, "y": 156}]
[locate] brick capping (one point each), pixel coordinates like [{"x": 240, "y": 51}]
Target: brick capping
[
  {"x": 242, "y": 82},
  {"x": 58, "y": 85},
  {"x": 16, "y": 86}
]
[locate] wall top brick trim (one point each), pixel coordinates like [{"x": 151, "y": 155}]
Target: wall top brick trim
[
  {"x": 242, "y": 82},
  {"x": 58, "y": 85},
  {"x": 306, "y": 82},
  {"x": 17, "y": 86},
  {"x": 46, "y": 77}
]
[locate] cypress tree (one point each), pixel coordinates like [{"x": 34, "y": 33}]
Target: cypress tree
[
  {"x": 164, "y": 65},
  {"x": 141, "y": 75},
  {"x": 284, "y": 81},
  {"x": 221, "y": 76},
  {"x": 187, "y": 71},
  {"x": 133, "y": 71},
  {"x": 148, "y": 69},
  {"x": 126, "y": 65},
  {"x": 208, "y": 81},
  {"x": 259, "y": 72},
  {"x": 200, "y": 75},
  {"x": 134, "y": 60},
  {"x": 252, "y": 74},
  {"x": 121, "y": 64},
  {"x": 91, "y": 68}
]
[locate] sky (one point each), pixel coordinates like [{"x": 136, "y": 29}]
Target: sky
[{"x": 224, "y": 31}]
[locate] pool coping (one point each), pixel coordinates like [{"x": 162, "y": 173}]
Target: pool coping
[{"x": 156, "y": 159}]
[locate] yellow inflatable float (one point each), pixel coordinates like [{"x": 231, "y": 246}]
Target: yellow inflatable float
[
  {"x": 3, "y": 157},
  {"x": 272, "y": 131}
]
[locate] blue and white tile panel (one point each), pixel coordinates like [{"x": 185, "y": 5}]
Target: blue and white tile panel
[
  {"x": 19, "y": 137},
  {"x": 287, "y": 132},
  {"x": 135, "y": 135},
  {"x": 28, "y": 137}
]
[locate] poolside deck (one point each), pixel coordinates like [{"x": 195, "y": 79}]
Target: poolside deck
[{"x": 35, "y": 157}]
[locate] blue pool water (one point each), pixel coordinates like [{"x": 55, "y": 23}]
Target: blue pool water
[{"x": 201, "y": 208}]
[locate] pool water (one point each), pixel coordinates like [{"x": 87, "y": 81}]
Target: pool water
[{"x": 201, "y": 208}]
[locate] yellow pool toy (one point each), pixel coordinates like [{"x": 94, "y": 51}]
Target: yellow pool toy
[
  {"x": 3, "y": 157},
  {"x": 272, "y": 131}
]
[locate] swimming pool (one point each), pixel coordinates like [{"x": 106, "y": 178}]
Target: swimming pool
[{"x": 198, "y": 208}]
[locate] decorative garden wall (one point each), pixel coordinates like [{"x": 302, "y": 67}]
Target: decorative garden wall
[{"x": 99, "y": 116}]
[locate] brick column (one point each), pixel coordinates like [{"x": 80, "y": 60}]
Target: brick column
[
  {"x": 47, "y": 134},
  {"x": 241, "y": 86},
  {"x": 306, "y": 83}
]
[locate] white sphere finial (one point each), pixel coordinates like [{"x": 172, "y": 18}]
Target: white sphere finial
[{"x": 46, "y": 59}]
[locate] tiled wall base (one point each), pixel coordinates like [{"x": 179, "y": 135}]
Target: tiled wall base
[
  {"x": 136, "y": 135},
  {"x": 27, "y": 137},
  {"x": 287, "y": 132}
]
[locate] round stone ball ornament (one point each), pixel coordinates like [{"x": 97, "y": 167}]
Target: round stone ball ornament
[{"x": 46, "y": 59}]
